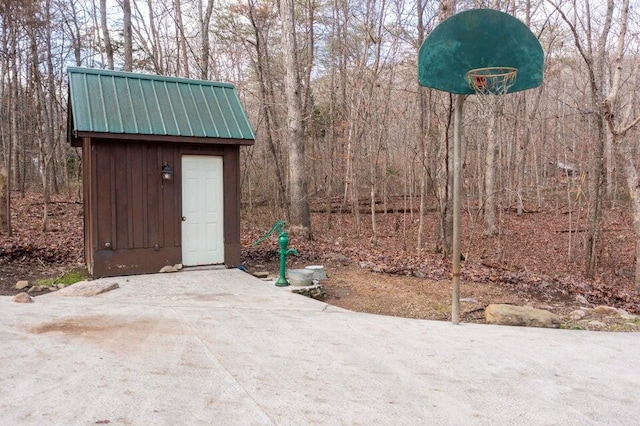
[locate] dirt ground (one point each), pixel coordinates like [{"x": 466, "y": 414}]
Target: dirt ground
[
  {"x": 356, "y": 288},
  {"x": 10, "y": 274}
]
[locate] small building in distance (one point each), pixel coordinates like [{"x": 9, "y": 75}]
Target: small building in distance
[{"x": 161, "y": 169}]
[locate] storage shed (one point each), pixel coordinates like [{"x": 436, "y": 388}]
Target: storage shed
[{"x": 161, "y": 170}]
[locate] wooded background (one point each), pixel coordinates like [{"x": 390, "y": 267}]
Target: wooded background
[{"x": 331, "y": 89}]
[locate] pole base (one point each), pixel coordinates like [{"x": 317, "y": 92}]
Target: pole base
[{"x": 282, "y": 282}]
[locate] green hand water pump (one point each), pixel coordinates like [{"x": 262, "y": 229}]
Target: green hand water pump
[{"x": 283, "y": 242}]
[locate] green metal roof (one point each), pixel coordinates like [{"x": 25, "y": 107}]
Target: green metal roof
[{"x": 103, "y": 101}]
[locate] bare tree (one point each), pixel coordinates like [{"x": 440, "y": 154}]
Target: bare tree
[
  {"x": 5, "y": 208},
  {"x": 619, "y": 128},
  {"x": 205, "y": 20},
  {"x": 126, "y": 32},
  {"x": 108, "y": 47},
  {"x": 300, "y": 216},
  {"x": 593, "y": 53},
  {"x": 444, "y": 153},
  {"x": 181, "y": 39},
  {"x": 260, "y": 19},
  {"x": 490, "y": 186}
]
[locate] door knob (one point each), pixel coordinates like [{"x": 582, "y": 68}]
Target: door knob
[{"x": 184, "y": 218}]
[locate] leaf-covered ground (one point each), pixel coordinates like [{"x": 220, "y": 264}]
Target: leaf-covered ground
[
  {"x": 31, "y": 254},
  {"x": 537, "y": 258}
]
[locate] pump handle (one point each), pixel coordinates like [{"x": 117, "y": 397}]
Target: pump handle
[{"x": 278, "y": 225}]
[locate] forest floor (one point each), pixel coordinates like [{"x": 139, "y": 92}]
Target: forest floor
[{"x": 534, "y": 261}]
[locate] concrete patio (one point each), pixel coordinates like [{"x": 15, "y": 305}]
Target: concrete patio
[{"x": 220, "y": 347}]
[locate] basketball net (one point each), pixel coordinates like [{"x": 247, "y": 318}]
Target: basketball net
[{"x": 490, "y": 84}]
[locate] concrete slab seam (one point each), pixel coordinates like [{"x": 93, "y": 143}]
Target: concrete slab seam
[{"x": 212, "y": 356}]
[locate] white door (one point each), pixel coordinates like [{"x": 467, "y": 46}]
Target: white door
[{"x": 202, "y": 210}]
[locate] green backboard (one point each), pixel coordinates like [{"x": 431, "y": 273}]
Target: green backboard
[{"x": 479, "y": 38}]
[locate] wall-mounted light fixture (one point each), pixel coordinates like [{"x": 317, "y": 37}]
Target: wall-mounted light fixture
[{"x": 167, "y": 173}]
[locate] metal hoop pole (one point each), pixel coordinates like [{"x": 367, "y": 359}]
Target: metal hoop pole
[{"x": 457, "y": 216}]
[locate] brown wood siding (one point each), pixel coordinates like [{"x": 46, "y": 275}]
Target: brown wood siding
[
  {"x": 232, "y": 207},
  {"x": 135, "y": 208},
  {"x": 87, "y": 197},
  {"x": 138, "y": 236},
  {"x": 110, "y": 263},
  {"x": 133, "y": 217}
]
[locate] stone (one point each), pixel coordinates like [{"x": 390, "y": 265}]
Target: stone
[
  {"x": 502, "y": 314},
  {"x": 468, "y": 300},
  {"x": 261, "y": 274},
  {"x": 605, "y": 310},
  {"x": 87, "y": 289},
  {"x": 178, "y": 266},
  {"x": 578, "y": 314},
  {"x": 626, "y": 315},
  {"x": 61, "y": 286},
  {"x": 314, "y": 291},
  {"x": 629, "y": 273},
  {"x": 341, "y": 258},
  {"x": 21, "y": 284},
  {"x": 22, "y": 298},
  {"x": 168, "y": 268},
  {"x": 597, "y": 324},
  {"x": 419, "y": 274},
  {"x": 35, "y": 289},
  {"x": 582, "y": 300}
]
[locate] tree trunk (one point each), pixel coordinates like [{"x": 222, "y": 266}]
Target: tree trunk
[
  {"x": 594, "y": 218},
  {"x": 204, "y": 35},
  {"x": 300, "y": 218},
  {"x": 181, "y": 41},
  {"x": 156, "y": 53},
  {"x": 633, "y": 186},
  {"x": 444, "y": 176},
  {"x": 267, "y": 102},
  {"x": 108, "y": 48},
  {"x": 423, "y": 111},
  {"x": 595, "y": 63},
  {"x": 4, "y": 206},
  {"x": 126, "y": 33},
  {"x": 490, "y": 203},
  {"x": 617, "y": 133},
  {"x": 447, "y": 8}
]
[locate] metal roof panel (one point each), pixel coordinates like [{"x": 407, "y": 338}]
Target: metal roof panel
[{"x": 104, "y": 101}]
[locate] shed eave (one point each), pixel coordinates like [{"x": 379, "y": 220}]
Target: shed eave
[{"x": 163, "y": 138}]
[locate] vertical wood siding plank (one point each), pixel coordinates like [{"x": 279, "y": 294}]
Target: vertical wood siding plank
[
  {"x": 103, "y": 185},
  {"x": 153, "y": 171},
  {"x": 138, "y": 195},
  {"x": 121, "y": 201},
  {"x": 130, "y": 210}
]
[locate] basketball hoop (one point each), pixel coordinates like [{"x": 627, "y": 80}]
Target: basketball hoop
[
  {"x": 492, "y": 80},
  {"x": 490, "y": 84}
]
